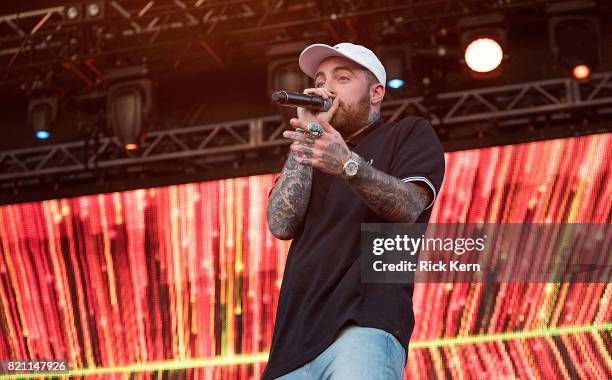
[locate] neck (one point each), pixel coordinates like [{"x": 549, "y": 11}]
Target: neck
[{"x": 374, "y": 115}]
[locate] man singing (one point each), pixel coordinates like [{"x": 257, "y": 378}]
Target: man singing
[{"x": 346, "y": 167}]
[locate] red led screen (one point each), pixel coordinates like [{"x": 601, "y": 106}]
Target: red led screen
[{"x": 185, "y": 278}]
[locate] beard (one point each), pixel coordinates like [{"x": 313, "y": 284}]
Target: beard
[{"x": 350, "y": 118}]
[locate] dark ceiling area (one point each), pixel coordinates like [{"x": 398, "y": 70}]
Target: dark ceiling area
[{"x": 209, "y": 62}]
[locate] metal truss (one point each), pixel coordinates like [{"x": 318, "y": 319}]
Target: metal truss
[
  {"x": 479, "y": 111},
  {"x": 508, "y": 103},
  {"x": 214, "y": 141},
  {"x": 31, "y": 42}
]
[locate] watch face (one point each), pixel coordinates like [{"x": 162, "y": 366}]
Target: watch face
[{"x": 351, "y": 168}]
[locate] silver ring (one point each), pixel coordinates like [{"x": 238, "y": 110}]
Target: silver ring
[{"x": 315, "y": 129}]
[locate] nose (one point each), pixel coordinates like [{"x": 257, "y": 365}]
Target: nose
[
  {"x": 329, "y": 87},
  {"x": 328, "y": 84}
]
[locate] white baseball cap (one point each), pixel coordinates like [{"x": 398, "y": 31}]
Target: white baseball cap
[{"x": 313, "y": 55}]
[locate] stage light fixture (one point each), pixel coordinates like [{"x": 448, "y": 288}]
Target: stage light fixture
[
  {"x": 129, "y": 106},
  {"x": 73, "y": 12},
  {"x": 88, "y": 11},
  {"x": 94, "y": 10},
  {"x": 285, "y": 74},
  {"x": 394, "y": 60},
  {"x": 574, "y": 35},
  {"x": 581, "y": 72},
  {"x": 395, "y": 83},
  {"x": 42, "y": 114},
  {"x": 483, "y": 55},
  {"x": 482, "y": 42},
  {"x": 43, "y": 135}
]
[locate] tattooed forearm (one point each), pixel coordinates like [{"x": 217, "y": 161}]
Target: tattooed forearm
[
  {"x": 387, "y": 196},
  {"x": 289, "y": 199}
]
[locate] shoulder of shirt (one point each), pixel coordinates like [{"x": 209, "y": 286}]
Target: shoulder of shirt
[{"x": 407, "y": 124}]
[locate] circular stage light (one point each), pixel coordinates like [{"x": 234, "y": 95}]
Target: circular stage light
[
  {"x": 72, "y": 13},
  {"x": 581, "y": 72},
  {"x": 93, "y": 10},
  {"x": 483, "y": 55}
]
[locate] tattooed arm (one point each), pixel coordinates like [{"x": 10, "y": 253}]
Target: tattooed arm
[
  {"x": 289, "y": 199},
  {"x": 387, "y": 196}
]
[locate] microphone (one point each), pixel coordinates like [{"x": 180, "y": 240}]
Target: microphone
[{"x": 292, "y": 99}]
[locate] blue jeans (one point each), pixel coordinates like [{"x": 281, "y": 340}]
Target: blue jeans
[{"x": 358, "y": 353}]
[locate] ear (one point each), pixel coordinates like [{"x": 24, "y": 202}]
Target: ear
[{"x": 377, "y": 93}]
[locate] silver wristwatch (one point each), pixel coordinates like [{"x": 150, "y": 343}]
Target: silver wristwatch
[{"x": 351, "y": 166}]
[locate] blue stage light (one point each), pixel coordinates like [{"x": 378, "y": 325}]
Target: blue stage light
[
  {"x": 43, "y": 135},
  {"x": 42, "y": 114},
  {"x": 395, "y": 83}
]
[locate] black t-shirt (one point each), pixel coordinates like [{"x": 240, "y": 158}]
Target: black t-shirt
[{"x": 321, "y": 289}]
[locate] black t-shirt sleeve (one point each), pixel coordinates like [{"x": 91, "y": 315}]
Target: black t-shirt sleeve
[{"x": 418, "y": 155}]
